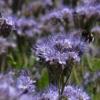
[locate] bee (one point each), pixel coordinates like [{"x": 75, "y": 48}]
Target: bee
[{"x": 87, "y": 36}]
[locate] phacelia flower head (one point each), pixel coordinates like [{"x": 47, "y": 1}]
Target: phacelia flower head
[
  {"x": 60, "y": 48},
  {"x": 12, "y": 87},
  {"x": 90, "y": 78},
  {"x": 24, "y": 83},
  {"x": 5, "y": 27},
  {"x": 26, "y": 26},
  {"x": 7, "y": 90},
  {"x": 96, "y": 30},
  {"x": 70, "y": 93},
  {"x": 60, "y": 19},
  {"x": 75, "y": 93},
  {"x": 49, "y": 94},
  {"x": 5, "y": 45},
  {"x": 88, "y": 10}
]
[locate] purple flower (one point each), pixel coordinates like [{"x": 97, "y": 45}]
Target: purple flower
[
  {"x": 26, "y": 26},
  {"x": 60, "y": 48},
  {"x": 5, "y": 45},
  {"x": 70, "y": 93},
  {"x": 75, "y": 93},
  {"x": 96, "y": 30},
  {"x": 7, "y": 91},
  {"x": 11, "y": 90},
  {"x": 91, "y": 77},
  {"x": 5, "y": 27},
  {"x": 25, "y": 83}
]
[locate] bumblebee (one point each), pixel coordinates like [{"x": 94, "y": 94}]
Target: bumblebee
[{"x": 87, "y": 36}]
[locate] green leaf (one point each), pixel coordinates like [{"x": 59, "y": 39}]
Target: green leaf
[
  {"x": 95, "y": 64},
  {"x": 44, "y": 80},
  {"x": 96, "y": 96}
]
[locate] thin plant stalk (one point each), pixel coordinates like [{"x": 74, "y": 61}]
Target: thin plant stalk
[{"x": 62, "y": 82}]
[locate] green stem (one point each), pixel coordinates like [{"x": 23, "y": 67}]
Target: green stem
[
  {"x": 59, "y": 82},
  {"x": 3, "y": 63},
  {"x": 65, "y": 73},
  {"x": 75, "y": 75},
  {"x": 67, "y": 77}
]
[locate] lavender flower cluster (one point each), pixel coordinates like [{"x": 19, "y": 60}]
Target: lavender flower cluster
[
  {"x": 15, "y": 90},
  {"x": 60, "y": 48},
  {"x": 88, "y": 79},
  {"x": 60, "y": 52},
  {"x": 70, "y": 93},
  {"x": 57, "y": 33},
  {"x": 59, "y": 18}
]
